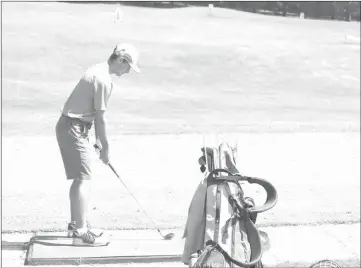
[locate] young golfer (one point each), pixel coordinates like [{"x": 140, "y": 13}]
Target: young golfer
[{"x": 86, "y": 105}]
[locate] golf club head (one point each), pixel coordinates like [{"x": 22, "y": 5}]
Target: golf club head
[{"x": 169, "y": 236}]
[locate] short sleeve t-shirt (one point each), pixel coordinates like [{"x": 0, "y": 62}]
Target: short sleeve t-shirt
[{"x": 91, "y": 94}]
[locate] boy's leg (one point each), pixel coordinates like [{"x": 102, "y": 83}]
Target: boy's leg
[
  {"x": 79, "y": 200},
  {"x": 73, "y": 208},
  {"x": 72, "y": 137}
]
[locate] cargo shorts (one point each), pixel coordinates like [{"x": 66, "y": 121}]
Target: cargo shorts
[{"x": 75, "y": 149}]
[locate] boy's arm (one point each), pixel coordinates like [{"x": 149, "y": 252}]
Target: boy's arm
[
  {"x": 101, "y": 96},
  {"x": 100, "y": 127}
]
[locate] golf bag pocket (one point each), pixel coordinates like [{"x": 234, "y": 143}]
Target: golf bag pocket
[
  {"x": 224, "y": 223},
  {"x": 229, "y": 228},
  {"x": 211, "y": 256}
]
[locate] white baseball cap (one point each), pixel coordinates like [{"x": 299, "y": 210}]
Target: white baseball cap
[{"x": 129, "y": 53}]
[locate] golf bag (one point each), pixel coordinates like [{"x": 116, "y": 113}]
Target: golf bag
[{"x": 224, "y": 233}]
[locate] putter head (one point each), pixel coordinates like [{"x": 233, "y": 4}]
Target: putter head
[{"x": 169, "y": 236}]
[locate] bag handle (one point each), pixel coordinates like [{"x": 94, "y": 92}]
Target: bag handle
[{"x": 271, "y": 191}]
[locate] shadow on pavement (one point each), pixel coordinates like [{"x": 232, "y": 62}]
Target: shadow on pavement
[{"x": 5, "y": 245}]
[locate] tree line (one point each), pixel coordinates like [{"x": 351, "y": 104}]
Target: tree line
[
  {"x": 345, "y": 10},
  {"x": 333, "y": 10}
]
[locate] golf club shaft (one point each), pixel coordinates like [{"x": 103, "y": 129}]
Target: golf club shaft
[
  {"x": 110, "y": 165},
  {"x": 113, "y": 169},
  {"x": 115, "y": 172}
]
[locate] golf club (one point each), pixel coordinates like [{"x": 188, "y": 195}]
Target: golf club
[{"x": 165, "y": 237}]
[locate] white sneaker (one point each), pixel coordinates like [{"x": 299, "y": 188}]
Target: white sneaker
[
  {"x": 89, "y": 239},
  {"x": 72, "y": 229}
]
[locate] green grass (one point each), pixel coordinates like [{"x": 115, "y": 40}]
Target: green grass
[
  {"x": 228, "y": 71},
  {"x": 234, "y": 72}
]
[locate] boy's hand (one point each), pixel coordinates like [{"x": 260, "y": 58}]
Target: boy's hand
[{"x": 103, "y": 154}]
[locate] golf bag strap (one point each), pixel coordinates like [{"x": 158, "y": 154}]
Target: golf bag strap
[
  {"x": 231, "y": 201},
  {"x": 218, "y": 196},
  {"x": 218, "y": 213}
]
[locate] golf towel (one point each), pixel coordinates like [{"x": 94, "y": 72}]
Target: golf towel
[{"x": 196, "y": 223}]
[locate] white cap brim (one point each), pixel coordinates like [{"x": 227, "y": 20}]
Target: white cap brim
[{"x": 135, "y": 67}]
